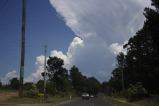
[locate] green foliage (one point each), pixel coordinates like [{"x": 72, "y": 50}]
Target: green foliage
[
  {"x": 40, "y": 86},
  {"x": 93, "y": 86},
  {"x": 136, "y": 92},
  {"x": 57, "y": 74},
  {"x": 115, "y": 81},
  {"x": 50, "y": 88},
  {"x": 141, "y": 63},
  {"x": 14, "y": 83},
  {"x": 28, "y": 85},
  {"x": 32, "y": 93},
  {"x": 0, "y": 84},
  {"x": 77, "y": 79},
  {"x": 155, "y": 3},
  {"x": 105, "y": 88},
  {"x": 83, "y": 84},
  {"x": 41, "y": 95}
]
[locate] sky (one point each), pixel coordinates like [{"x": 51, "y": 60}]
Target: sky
[{"x": 88, "y": 34}]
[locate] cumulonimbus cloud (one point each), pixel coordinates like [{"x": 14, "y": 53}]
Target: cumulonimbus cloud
[
  {"x": 100, "y": 23},
  {"x": 102, "y": 26}
]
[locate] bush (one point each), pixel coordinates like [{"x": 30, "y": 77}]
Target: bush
[
  {"x": 136, "y": 92},
  {"x": 32, "y": 93},
  {"x": 28, "y": 86},
  {"x": 40, "y": 86},
  {"x": 41, "y": 95},
  {"x": 50, "y": 89}
]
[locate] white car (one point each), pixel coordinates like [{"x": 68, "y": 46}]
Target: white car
[
  {"x": 91, "y": 96},
  {"x": 85, "y": 96}
]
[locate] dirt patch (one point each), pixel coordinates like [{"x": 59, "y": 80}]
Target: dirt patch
[{"x": 4, "y": 96}]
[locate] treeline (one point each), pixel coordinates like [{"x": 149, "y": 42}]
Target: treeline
[
  {"x": 137, "y": 71},
  {"x": 65, "y": 81},
  {"x": 59, "y": 81}
]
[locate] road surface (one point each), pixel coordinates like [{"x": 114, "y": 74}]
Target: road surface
[{"x": 97, "y": 101}]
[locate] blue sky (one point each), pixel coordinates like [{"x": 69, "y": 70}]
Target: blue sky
[
  {"x": 44, "y": 27},
  {"x": 101, "y": 26}
]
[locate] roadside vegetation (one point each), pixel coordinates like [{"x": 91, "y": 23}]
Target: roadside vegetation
[
  {"x": 60, "y": 86},
  {"x": 137, "y": 71},
  {"x": 134, "y": 79}
]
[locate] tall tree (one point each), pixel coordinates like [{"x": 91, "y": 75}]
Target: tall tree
[
  {"x": 77, "y": 79},
  {"x": 93, "y": 85},
  {"x": 143, "y": 53},
  {"x": 57, "y": 74},
  {"x": 142, "y": 59}
]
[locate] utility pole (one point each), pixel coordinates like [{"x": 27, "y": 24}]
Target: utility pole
[
  {"x": 22, "y": 47},
  {"x": 45, "y": 51}
]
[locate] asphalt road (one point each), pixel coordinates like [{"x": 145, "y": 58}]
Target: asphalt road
[{"x": 97, "y": 101}]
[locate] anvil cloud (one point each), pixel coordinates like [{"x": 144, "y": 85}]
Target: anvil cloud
[{"x": 102, "y": 27}]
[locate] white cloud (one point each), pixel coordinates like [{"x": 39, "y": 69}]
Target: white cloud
[
  {"x": 98, "y": 23},
  {"x": 9, "y": 76},
  {"x": 36, "y": 75},
  {"x": 76, "y": 44},
  {"x": 60, "y": 54},
  {"x": 116, "y": 48}
]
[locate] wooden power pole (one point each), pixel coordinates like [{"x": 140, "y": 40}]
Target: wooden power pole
[
  {"x": 45, "y": 51},
  {"x": 22, "y": 47}
]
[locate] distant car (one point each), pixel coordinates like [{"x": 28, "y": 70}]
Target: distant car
[
  {"x": 85, "y": 96},
  {"x": 91, "y": 96}
]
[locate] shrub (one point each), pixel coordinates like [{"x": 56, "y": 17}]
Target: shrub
[
  {"x": 28, "y": 86},
  {"x": 32, "y": 93},
  {"x": 50, "y": 88},
  {"x": 136, "y": 92},
  {"x": 40, "y": 86}
]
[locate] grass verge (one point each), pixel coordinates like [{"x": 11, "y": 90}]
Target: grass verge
[
  {"x": 117, "y": 102},
  {"x": 152, "y": 101},
  {"x": 25, "y": 100}
]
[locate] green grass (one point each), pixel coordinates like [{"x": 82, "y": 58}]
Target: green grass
[
  {"x": 26, "y": 100},
  {"x": 23, "y": 100},
  {"x": 118, "y": 102},
  {"x": 123, "y": 102},
  {"x": 148, "y": 102},
  {"x": 7, "y": 90},
  {"x": 57, "y": 99}
]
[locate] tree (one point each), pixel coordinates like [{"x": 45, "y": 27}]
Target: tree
[
  {"x": 141, "y": 63},
  {"x": 57, "y": 74},
  {"x": 0, "y": 84},
  {"x": 50, "y": 88},
  {"x": 106, "y": 88},
  {"x": 77, "y": 79},
  {"x": 93, "y": 85},
  {"x": 40, "y": 86},
  {"x": 115, "y": 81},
  {"x": 14, "y": 83}
]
